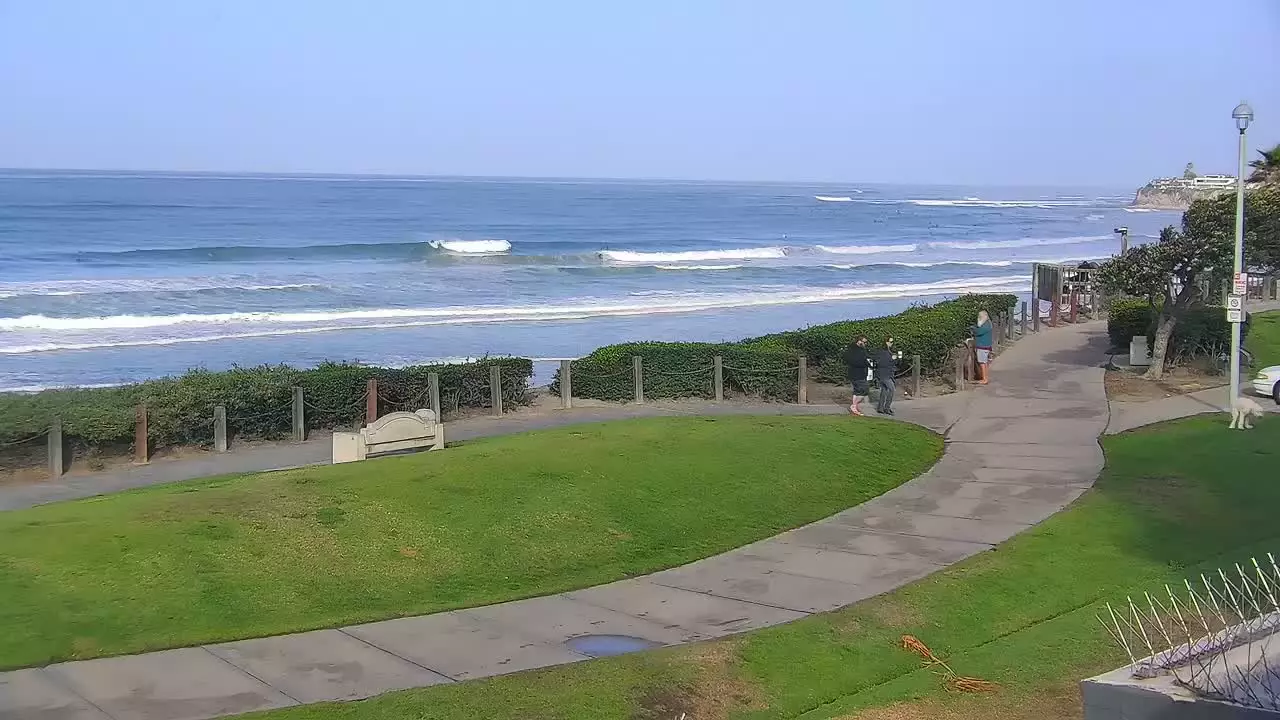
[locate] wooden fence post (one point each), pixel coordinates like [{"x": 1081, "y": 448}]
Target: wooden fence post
[
  {"x": 1024, "y": 317},
  {"x": 915, "y": 376},
  {"x": 960, "y": 356},
  {"x": 220, "y": 429},
  {"x": 637, "y": 370},
  {"x": 433, "y": 395},
  {"x": 802, "y": 392},
  {"x": 1035, "y": 314},
  {"x": 566, "y": 384},
  {"x": 141, "y": 451},
  {"x": 371, "y": 400},
  {"x": 56, "y": 464},
  {"x": 717, "y": 381},
  {"x": 1073, "y": 299},
  {"x": 495, "y": 389},
  {"x": 299, "y": 416}
]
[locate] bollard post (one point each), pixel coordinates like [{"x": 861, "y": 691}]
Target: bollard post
[
  {"x": 1053, "y": 315},
  {"x": 220, "y": 429},
  {"x": 915, "y": 376},
  {"x": 495, "y": 389},
  {"x": 299, "y": 416},
  {"x": 637, "y": 369},
  {"x": 1035, "y": 316},
  {"x": 370, "y": 400},
  {"x": 566, "y": 384},
  {"x": 802, "y": 392},
  {"x": 717, "y": 363},
  {"x": 1024, "y": 317},
  {"x": 1074, "y": 305},
  {"x": 433, "y": 395},
  {"x": 959, "y": 369},
  {"x": 141, "y": 451},
  {"x": 56, "y": 465}
]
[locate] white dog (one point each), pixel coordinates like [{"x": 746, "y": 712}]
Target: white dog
[{"x": 1242, "y": 410}]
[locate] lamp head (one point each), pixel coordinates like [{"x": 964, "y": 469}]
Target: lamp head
[{"x": 1243, "y": 115}]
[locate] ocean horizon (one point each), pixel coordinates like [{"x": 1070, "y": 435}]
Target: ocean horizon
[{"x": 115, "y": 277}]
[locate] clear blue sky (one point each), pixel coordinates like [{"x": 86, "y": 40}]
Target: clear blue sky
[{"x": 1016, "y": 92}]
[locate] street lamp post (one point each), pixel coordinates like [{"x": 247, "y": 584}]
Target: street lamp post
[
  {"x": 1243, "y": 115},
  {"x": 1123, "y": 232}
]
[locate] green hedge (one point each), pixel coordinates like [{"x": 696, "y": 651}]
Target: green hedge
[
  {"x": 680, "y": 370},
  {"x": 930, "y": 331},
  {"x": 258, "y": 401},
  {"x": 764, "y": 367},
  {"x": 1203, "y": 330}
]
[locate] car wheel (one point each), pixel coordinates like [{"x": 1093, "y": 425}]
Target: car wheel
[{"x": 1275, "y": 393}]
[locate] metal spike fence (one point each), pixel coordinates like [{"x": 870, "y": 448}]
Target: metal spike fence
[{"x": 1218, "y": 637}]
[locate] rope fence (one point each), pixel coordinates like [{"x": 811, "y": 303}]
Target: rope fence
[{"x": 644, "y": 378}]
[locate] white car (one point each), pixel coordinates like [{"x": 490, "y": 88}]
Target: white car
[{"x": 1267, "y": 382}]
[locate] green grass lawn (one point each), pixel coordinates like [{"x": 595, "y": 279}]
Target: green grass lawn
[
  {"x": 1173, "y": 499},
  {"x": 484, "y": 522},
  {"x": 1264, "y": 338}
]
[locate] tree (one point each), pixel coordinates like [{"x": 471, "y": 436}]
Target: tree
[
  {"x": 1267, "y": 168},
  {"x": 1215, "y": 217},
  {"x": 1168, "y": 274},
  {"x": 1189, "y": 172}
]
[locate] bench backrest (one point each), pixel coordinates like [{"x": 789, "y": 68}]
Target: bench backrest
[{"x": 400, "y": 431}]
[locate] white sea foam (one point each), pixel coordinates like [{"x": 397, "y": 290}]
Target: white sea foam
[
  {"x": 864, "y": 249},
  {"x": 27, "y": 389},
  {"x": 698, "y": 267},
  {"x": 1023, "y": 242},
  {"x": 472, "y": 247},
  {"x": 980, "y": 203},
  {"x": 1144, "y": 210},
  {"x": 632, "y": 257},
  {"x": 939, "y": 263},
  {"x": 266, "y": 324},
  {"x": 833, "y": 198},
  {"x": 62, "y": 288}
]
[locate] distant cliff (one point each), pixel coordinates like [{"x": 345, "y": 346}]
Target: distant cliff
[{"x": 1167, "y": 198}]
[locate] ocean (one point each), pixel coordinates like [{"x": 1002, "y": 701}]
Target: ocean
[{"x": 108, "y": 278}]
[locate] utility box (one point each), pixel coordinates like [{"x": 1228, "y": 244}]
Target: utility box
[{"x": 1139, "y": 352}]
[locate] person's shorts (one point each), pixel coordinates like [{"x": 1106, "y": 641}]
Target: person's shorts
[
  {"x": 984, "y": 355},
  {"x": 861, "y": 388}
]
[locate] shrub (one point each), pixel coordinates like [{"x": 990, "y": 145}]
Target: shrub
[
  {"x": 681, "y": 370},
  {"x": 1202, "y": 330},
  {"x": 764, "y": 367},
  {"x": 258, "y": 401},
  {"x": 1127, "y": 318}
]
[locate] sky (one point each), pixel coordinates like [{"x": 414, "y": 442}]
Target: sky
[{"x": 926, "y": 91}]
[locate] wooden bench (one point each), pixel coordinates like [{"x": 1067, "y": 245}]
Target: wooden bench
[{"x": 393, "y": 433}]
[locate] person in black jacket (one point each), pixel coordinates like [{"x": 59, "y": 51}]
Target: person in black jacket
[
  {"x": 886, "y": 365},
  {"x": 858, "y": 363}
]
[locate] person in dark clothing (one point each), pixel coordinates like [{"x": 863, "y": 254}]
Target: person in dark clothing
[
  {"x": 858, "y": 363},
  {"x": 886, "y": 365}
]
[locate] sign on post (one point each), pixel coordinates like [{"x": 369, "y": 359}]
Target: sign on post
[
  {"x": 1235, "y": 302},
  {"x": 1235, "y": 316},
  {"x": 1240, "y": 284}
]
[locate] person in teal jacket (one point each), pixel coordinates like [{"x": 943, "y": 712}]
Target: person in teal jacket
[{"x": 982, "y": 345}]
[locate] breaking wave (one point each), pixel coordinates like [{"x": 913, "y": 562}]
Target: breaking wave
[
  {"x": 1023, "y": 242},
  {"x": 472, "y": 247},
  {"x": 635, "y": 257},
  {"x": 225, "y": 326},
  {"x": 864, "y": 249}
]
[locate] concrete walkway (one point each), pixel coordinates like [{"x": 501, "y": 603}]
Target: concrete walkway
[
  {"x": 1017, "y": 451},
  {"x": 1127, "y": 415}
]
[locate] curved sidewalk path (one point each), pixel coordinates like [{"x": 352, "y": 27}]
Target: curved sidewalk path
[{"x": 1018, "y": 451}]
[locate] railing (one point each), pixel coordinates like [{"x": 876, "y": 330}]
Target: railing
[{"x": 711, "y": 380}]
